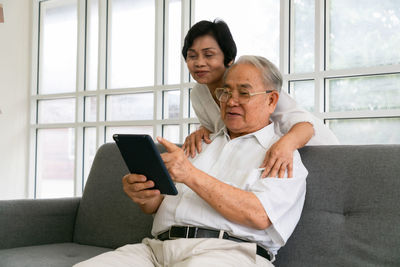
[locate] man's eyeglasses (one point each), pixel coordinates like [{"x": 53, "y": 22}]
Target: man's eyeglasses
[{"x": 243, "y": 95}]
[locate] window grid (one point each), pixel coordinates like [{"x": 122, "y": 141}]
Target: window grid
[{"x": 185, "y": 121}]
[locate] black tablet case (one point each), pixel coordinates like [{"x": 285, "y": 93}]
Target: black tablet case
[{"x": 142, "y": 157}]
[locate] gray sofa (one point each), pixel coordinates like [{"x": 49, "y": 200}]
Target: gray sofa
[{"x": 351, "y": 214}]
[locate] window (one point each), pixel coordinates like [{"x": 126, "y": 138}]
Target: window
[
  {"x": 345, "y": 68},
  {"x": 115, "y": 66}
]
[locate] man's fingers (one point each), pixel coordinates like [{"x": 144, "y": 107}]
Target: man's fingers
[
  {"x": 138, "y": 187},
  {"x": 171, "y": 147},
  {"x": 166, "y": 157},
  {"x": 134, "y": 178}
]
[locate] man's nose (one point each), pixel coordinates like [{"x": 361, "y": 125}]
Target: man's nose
[{"x": 233, "y": 100}]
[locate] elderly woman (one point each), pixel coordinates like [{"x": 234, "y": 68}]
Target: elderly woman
[{"x": 209, "y": 49}]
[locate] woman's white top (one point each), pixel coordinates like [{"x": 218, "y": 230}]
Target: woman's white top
[{"x": 286, "y": 115}]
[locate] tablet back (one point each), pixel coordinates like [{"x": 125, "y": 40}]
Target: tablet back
[{"x": 142, "y": 157}]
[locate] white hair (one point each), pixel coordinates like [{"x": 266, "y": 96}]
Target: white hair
[{"x": 270, "y": 73}]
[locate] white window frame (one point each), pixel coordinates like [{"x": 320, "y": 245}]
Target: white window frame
[{"x": 320, "y": 75}]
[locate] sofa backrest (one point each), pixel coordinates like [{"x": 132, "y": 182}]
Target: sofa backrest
[
  {"x": 351, "y": 215},
  {"x": 107, "y": 217}
]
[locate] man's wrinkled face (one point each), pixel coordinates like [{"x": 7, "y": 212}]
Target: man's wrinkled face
[{"x": 241, "y": 119}]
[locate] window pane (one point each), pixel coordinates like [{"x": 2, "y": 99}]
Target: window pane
[
  {"x": 90, "y": 108},
  {"x": 171, "y": 101},
  {"x": 362, "y": 36},
  {"x": 303, "y": 30},
  {"x": 254, "y": 25},
  {"x": 364, "y": 93},
  {"x": 366, "y": 131},
  {"x": 58, "y": 46},
  {"x": 89, "y": 150},
  {"x": 132, "y": 43},
  {"x": 171, "y": 133},
  {"x": 130, "y": 107},
  {"x": 173, "y": 69},
  {"x": 55, "y": 163},
  {"x": 110, "y": 131},
  {"x": 93, "y": 44},
  {"x": 56, "y": 111},
  {"x": 303, "y": 93}
]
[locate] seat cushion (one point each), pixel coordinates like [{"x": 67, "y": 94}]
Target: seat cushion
[{"x": 60, "y": 255}]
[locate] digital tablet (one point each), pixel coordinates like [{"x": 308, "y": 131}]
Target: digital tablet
[{"x": 142, "y": 157}]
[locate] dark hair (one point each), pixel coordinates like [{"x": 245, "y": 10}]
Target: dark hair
[{"x": 217, "y": 29}]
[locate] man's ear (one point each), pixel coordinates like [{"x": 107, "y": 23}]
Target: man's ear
[
  {"x": 231, "y": 62},
  {"x": 273, "y": 99}
]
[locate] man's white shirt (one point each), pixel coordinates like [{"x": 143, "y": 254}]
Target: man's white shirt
[{"x": 236, "y": 162}]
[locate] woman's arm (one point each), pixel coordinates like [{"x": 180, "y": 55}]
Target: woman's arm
[
  {"x": 208, "y": 114},
  {"x": 287, "y": 114},
  {"x": 207, "y": 111}
]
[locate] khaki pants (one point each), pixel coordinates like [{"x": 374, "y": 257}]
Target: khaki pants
[{"x": 182, "y": 252}]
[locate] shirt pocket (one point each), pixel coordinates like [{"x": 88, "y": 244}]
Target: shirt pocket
[{"x": 253, "y": 176}]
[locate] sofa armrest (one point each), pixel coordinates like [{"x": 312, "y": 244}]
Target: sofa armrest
[{"x": 37, "y": 221}]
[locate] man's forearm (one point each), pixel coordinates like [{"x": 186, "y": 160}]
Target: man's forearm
[{"x": 234, "y": 204}]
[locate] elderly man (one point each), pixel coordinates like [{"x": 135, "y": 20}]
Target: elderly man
[{"x": 225, "y": 214}]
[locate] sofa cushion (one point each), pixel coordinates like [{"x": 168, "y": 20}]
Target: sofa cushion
[
  {"x": 57, "y": 255},
  {"x": 351, "y": 214},
  {"x": 107, "y": 217}
]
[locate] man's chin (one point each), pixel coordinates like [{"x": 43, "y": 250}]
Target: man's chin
[{"x": 233, "y": 133}]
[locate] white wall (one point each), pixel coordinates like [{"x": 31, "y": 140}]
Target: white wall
[{"x": 15, "y": 53}]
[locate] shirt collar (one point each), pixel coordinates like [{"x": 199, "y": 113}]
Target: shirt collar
[{"x": 263, "y": 135}]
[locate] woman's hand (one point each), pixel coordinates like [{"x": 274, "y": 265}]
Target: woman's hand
[
  {"x": 193, "y": 141},
  {"x": 278, "y": 158}
]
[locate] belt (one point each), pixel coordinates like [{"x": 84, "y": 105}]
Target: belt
[{"x": 176, "y": 232}]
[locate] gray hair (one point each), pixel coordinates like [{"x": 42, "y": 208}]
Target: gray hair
[{"x": 270, "y": 73}]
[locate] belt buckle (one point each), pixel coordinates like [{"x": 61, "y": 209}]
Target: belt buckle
[{"x": 172, "y": 237}]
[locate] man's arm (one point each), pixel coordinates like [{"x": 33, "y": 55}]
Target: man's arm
[
  {"x": 234, "y": 204},
  {"x": 137, "y": 186}
]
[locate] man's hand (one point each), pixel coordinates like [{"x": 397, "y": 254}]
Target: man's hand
[
  {"x": 193, "y": 141},
  {"x": 137, "y": 187},
  {"x": 178, "y": 165},
  {"x": 278, "y": 158}
]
